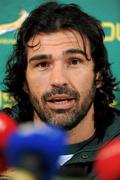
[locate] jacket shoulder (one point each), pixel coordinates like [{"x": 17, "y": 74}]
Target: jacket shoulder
[{"x": 114, "y": 129}]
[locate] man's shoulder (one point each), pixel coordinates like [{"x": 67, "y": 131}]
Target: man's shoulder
[{"x": 113, "y": 129}]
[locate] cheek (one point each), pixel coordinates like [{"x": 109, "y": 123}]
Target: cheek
[
  {"x": 82, "y": 79},
  {"x": 36, "y": 82}
]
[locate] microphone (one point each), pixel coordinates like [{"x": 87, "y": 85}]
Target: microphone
[
  {"x": 107, "y": 165},
  {"x": 7, "y": 127},
  {"x": 36, "y": 150},
  {"x": 17, "y": 174}
]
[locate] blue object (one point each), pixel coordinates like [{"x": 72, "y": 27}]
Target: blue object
[{"x": 36, "y": 149}]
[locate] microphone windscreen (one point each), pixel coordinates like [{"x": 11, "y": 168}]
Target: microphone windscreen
[
  {"x": 36, "y": 149},
  {"x": 17, "y": 174},
  {"x": 107, "y": 165},
  {"x": 7, "y": 126}
]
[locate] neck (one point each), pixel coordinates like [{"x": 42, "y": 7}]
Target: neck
[{"x": 84, "y": 130}]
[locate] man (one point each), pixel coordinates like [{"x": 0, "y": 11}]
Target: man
[{"x": 59, "y": 74}]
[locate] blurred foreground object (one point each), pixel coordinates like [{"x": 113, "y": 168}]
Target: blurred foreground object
[
  {"x": 36, "y": 150},
  {"x": 7, "y": 127},
  {"x": 17, "y": 174},
  {"x": 107, "y": 165}
]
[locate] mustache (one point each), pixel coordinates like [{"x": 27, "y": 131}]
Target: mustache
[{"x": 61, "y": 90}]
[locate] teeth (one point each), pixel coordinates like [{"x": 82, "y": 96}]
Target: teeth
[{"x": 61, "y": 102}]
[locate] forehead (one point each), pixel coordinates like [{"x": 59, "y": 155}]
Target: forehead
[{"x": 60, "y": 40}]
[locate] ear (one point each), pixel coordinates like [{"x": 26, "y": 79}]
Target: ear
[{"x": 98, "y": 79}]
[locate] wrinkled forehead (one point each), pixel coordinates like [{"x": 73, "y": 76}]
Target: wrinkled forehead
[{"x": 59, "y": 38}]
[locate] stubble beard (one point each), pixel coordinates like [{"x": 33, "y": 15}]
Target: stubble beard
[{"x": 65, "y": 119}]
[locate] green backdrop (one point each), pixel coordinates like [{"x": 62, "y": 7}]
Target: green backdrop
[{"x": 13, "y": 13}]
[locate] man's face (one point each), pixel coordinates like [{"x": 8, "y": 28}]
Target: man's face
[{"x": 60, "y": 80}]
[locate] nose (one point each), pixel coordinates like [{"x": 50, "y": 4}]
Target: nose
[{"x": 59, "y": 76}]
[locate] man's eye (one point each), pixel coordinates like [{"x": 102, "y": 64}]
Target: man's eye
[
  {"x": 74, "y": 61},
  {"x": 43, "y": 65}
]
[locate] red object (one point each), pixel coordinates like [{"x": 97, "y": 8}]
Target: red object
[
  {"x": 107, "y": 165},
  {"x": 3, "y": 164},
  {"x": 7, "y": 126}
]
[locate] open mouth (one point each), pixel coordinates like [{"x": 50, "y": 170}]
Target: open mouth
[{"x": 60, "y": 102}]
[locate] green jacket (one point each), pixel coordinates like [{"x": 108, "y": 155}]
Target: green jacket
[{"x": 83, "y": 159}]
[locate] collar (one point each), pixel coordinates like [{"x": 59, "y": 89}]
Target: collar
[{"x": 88, "y": 151}]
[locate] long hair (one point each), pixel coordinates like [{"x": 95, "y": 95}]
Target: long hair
[{"x": 53, "y": 17}]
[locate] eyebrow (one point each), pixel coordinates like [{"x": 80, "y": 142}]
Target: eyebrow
[
  {"x": 40, "y": 57},
  {"x": 74, "y": 51},
  {"x": 49, "y": 56}
]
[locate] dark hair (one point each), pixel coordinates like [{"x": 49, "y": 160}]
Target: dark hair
[{"x": 52, "y": 17}]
